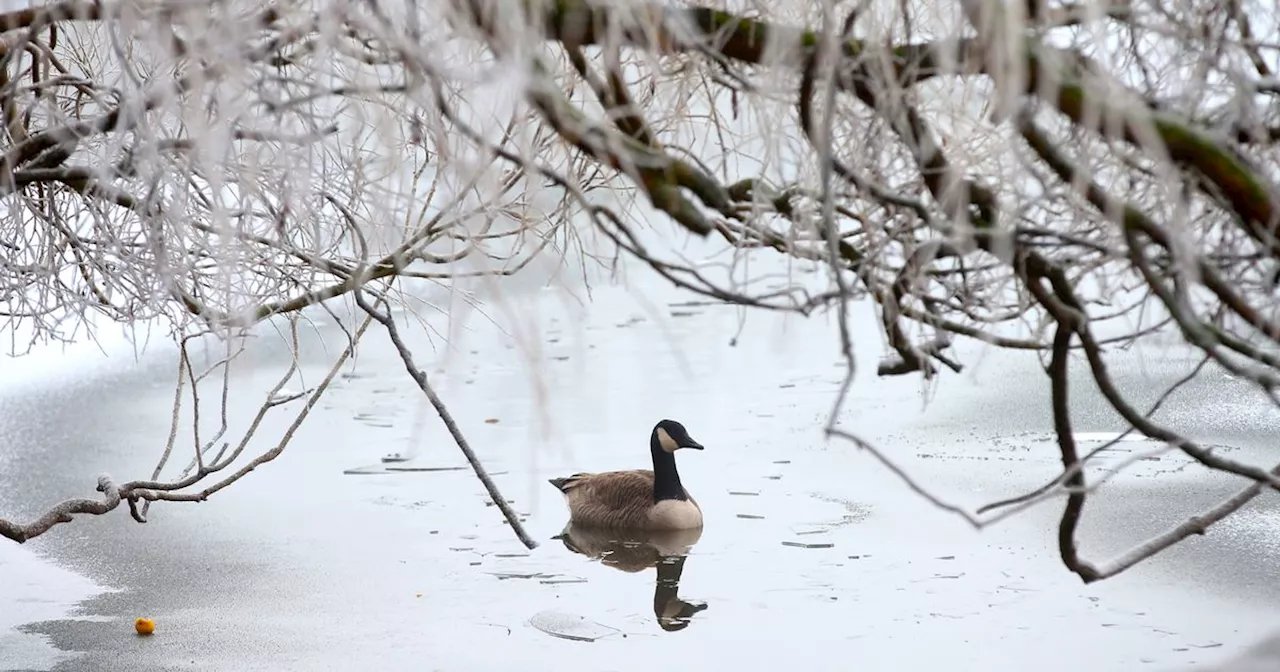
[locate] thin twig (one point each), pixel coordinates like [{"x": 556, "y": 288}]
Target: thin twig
[{"x": 406, "y": 356}]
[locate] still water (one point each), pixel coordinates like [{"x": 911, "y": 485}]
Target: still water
[{"x": 812, "y": 554}]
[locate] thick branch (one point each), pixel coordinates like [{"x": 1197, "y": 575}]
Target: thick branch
[
  {"x": 1077, "y": 90},
  {"x": 1058, "y": 375},
  {"x": 64, "y": 513}
]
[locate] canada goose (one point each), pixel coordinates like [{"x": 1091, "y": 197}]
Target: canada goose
[{"x": 637, "y": 498}]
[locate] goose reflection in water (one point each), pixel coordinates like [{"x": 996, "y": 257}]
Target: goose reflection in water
[{"x": 634, "y": 551}]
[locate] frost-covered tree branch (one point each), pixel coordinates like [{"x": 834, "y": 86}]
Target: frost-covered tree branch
[
  {"x": 209, "y": 168},
  {"x": 215, "y": 464},
  {"x": 965, "y": 236},
  {"x": 1066, "y": 178}
]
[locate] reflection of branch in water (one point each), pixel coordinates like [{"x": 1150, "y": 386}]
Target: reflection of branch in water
[{"x": 634, "y": 551}]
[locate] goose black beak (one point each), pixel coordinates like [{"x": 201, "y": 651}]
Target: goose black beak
[{"x": 690, "y": 443}]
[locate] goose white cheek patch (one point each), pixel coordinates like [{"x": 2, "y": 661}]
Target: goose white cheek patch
[{"x": 668, "y": 444}]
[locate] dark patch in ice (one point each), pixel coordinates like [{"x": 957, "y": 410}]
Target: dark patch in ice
[{"x": 797, "y": 544}]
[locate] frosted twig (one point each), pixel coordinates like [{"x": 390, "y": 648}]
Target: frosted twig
[{"x": 406, "y": 356}]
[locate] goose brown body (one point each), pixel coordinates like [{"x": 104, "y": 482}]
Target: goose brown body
[
  {"x": 642, "y": 499},
  {"x": 624, "y": 499}
]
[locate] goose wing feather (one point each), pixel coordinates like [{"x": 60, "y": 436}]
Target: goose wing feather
[
  {"x": 613, "y": 489},
  {"x": 611, "y": 497}
]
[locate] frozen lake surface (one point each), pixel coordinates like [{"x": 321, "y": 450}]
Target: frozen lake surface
[{"x": 812, "y": 554}]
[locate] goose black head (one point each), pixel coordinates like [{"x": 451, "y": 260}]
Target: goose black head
[{"x": 671, "y": 436}]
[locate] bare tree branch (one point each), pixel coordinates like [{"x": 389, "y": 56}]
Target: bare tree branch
[{"x": 1059, "y": 178}]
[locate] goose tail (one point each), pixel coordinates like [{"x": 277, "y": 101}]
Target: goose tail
[{"x": 568, "y": 482}]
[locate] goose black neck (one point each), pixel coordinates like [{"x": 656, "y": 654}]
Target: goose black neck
[{"x": 666, "y": 480}]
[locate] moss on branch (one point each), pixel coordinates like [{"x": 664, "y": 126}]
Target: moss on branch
[{"x": 657, "y": 26}]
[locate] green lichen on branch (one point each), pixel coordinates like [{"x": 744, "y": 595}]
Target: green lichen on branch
[
  {"x": 673, "y": 29},
  {"x": 656, "y": 26},
  {"x": 1077, "y": 98}
]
